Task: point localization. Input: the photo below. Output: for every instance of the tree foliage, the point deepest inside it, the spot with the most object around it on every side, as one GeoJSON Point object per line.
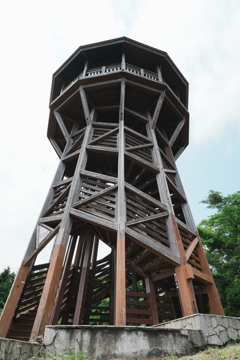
{"type": "Point", "coordinates": [6, 280]}
{"type": "Point", "coordinates": [220, 235]}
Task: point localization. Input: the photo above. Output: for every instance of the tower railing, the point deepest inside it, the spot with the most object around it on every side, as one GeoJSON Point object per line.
{"type": "Point", "coordinates": [113, 68]}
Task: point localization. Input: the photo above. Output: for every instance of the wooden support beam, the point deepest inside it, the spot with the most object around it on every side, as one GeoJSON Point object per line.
{"type": "Point", "coordinates": [154, 246]}
{"type": "Point", "coordinates": [46, 304]}
{"type": "Point", "coordinates": [136, 115]}
{"type": "Point", "coordinates": [191, 247]}
{"type": "Point", "coordinates": [158, 109]}
{"type": "Point", "coordinates": [81, 297]}
{"type": "Point", "coordinates": [184, 276]}
{"type": "Point", "coordinates": [56, 147]}
{"type": "Point", "coordinates": [63, 282]}
{"type": "Point", "coordinates": [62, 125]}
{"type": "Point", "coordinates": [199, 275]}
{"type": "Point", "coordinates": [42, 245]}
{"type": "Point", "coordinates": [120, 281]}
{"type": "Point", "coordinates": [142, 162]}
{"type": "Point", "coordinates": [85, 104]}
{"type": "Point", "coordinates": [136, 268]}
{"type": "Point", "coordinates": [163, 275]}
{"type": "Point", "coordinates": [150, 289]}
{"type": "Point", "coordinates": [176, 132]}
{"type": "Point", "coordinates": [214, 300]}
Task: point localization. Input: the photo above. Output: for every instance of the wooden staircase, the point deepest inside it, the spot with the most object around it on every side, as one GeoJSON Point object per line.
{"type": "Point", "coordinates": [23, 320]}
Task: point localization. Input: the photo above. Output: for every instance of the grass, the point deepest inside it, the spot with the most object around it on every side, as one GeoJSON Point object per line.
{"type": "Point", "coordinates": [230, 352]}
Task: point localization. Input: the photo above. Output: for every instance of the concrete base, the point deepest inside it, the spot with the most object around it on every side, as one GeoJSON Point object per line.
{"type": "Point", "coordinates": [217, 329]}
{"type": "Point", "coordinates": [18, 350]}
{"type": "Point", "coordinates": [108, 342]}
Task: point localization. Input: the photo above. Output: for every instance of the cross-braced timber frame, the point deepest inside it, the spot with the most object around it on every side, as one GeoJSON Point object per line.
{"type": "Point", "coordinates": [118, 122]}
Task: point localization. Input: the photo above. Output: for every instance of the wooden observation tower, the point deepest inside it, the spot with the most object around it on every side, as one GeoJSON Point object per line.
{"type": "Point", "coordinates": [118, 122]}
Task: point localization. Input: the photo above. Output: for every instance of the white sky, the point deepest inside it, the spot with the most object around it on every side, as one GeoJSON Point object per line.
{"type": "Point", "coordinates": [201, 36]}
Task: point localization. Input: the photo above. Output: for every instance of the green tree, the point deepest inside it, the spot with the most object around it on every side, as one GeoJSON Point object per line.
{"type": "Point", "coordinates": [220, 235]}
{"type": "Point", "coordinates": [6, 280]}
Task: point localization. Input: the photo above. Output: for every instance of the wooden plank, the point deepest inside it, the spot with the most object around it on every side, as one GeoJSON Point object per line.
{"type": "Point", "coordinates": [199, 275]}
{"type": "Point", "coordinates": [154, 246]}
{"type": "Point", "coordinates": [138, 147]}
{"type": "Point", "coordinates": [98, 176]}
{"type": "Point", "coordinates": [138, 135]}
{"type": "Point", "coordinates": [95, 196]}
{"type": "Point", "coordinates": [177, 192]}
{"type": "Point", "coordinates": [136, 115]}
{"type": "Point", "coordinates": [185, 227]}
{"type": "Point", "coordinates": [191, 247]}
{"type": "Point", "coordinates": [49, 219]}
{"type": "Point", "coordinates": [163, 275]}
{"type": "Point", "coordinates": [146, 219]}
{"type": "Point", "coordinates": [57, 200]}
{"type": "Point", "coordinates": [142, 162]}
{"type": "Point", "coordinates": [158, 109]}
{"type": "Point", "coordinates": [140, 193]}
{"type": "Point", "coordinates": [62, 182]}
{"type": "Point", "coordinates": [103, 149]}
{"type": "Point", "coordinates": [107, 134]}
{"type": "Point", "coordinates": [96, 220]}
{"type": "Point", "coordinates": [139, 303]}
{"type": "Point", "coordinates": [138, 311]}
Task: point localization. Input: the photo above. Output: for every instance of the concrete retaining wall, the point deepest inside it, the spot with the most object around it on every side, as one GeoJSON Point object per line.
{"type": "Point", "coordinates": [218, 329]}
{"type": "Point", "coordinates": [18, 350]}
{"type": "Point", "coordinates": [108, 342]}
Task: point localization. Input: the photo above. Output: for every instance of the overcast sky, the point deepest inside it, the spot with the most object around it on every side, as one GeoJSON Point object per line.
{"type": "Point", "coordinates": [201, 36]}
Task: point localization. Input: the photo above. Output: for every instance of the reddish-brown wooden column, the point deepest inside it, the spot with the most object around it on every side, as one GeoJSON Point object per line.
{"type": "Point", "coordinates": [120, 283]}
{"type": "Point", "coordinates": [78, 315]}
{"type": "Point", "coordinates": [188, 302]}
{"type": "Point", "coordinates": [46, 305]}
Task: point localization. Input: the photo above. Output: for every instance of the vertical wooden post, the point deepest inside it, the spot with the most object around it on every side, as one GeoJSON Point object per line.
{"type": "Point", "coordinates": [214, 300]}
{"type": "Point", "coordinates": [78, 315]}
{"type": "Point", "coordinates": [91, 280]}
{"type": "Point", "coordinates": [150, 289]}
{"type": "Point", "coordinates": [184, 278]}
{"type": "Point", "coordinates": [64, 279]}
{"type": "Point", "coordinates": [120, 282]}
{"type": "Point", "coordinates": [112, 287]}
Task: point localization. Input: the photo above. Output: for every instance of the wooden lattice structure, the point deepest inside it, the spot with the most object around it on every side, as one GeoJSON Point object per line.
{"type": "Point", "coordinates": [118, 122]}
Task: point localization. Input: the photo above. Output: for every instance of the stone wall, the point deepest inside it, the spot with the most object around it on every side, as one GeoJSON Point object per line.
{"type": "Point", "coordinates": [18, 350]}
{"type": "Point", "coordinates": [108, 342]}
{"type": "Point", "coordinates": [218, 329]}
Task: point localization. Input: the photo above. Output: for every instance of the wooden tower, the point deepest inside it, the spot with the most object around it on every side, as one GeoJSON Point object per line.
{"type": "Point", "coordinates": [118, 122]}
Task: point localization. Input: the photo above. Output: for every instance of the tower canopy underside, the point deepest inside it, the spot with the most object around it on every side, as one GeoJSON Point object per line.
{"type": "Point", "coordinates": [118, 122]}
